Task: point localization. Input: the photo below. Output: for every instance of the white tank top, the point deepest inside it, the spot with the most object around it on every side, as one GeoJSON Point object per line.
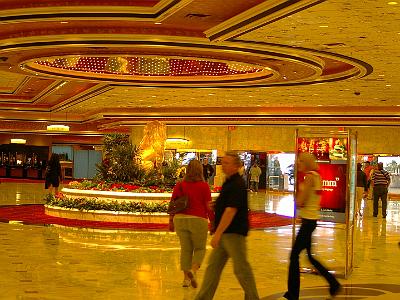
{"type": "Point", "coordinates": [311, 208]}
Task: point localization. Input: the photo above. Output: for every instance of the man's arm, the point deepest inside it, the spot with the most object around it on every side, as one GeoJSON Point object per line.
{"type": "Point", "coordinates": [226, 220]}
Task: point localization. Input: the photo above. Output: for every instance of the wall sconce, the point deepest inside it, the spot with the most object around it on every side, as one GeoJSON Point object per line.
{"type": "Point", "coordinates": [18, 141]}
{"type": "Point", "coordinates": [57, 128]}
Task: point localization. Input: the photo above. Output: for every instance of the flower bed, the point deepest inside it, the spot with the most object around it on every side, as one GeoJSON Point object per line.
{"type": "Point", "coordinates": [110, 206]}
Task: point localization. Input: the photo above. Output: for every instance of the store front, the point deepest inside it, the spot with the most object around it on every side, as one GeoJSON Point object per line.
{"type": "Point", "coordinates": [280, 175]}
{"type": "Point", "coordinates": [391, 163]}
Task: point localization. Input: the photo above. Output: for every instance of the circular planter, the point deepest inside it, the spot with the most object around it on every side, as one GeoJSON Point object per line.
{"type": "Point", "coordinates": [106, 216]}
{"type": "Point", "coordinates": [112, 216]}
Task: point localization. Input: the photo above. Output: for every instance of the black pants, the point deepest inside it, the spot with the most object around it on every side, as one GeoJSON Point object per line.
{"type": "Point", "coordinates": [380, 191]}
{"type": "Point", "coordinates": [303, 241]}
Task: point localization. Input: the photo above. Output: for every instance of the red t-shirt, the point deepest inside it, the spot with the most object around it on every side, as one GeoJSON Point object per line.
{"type": "Point", "coordinates": [199, 198]}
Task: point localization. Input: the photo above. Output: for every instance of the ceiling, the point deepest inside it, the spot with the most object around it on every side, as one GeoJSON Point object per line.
{"type": "Point", "coordinates": [105, 65]}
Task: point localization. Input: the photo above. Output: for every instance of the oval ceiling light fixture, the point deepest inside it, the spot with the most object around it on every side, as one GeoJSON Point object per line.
{"type": "Point", "coordinates": [148, 69]}
{"type": "Point", "coordinates": [57, 128]}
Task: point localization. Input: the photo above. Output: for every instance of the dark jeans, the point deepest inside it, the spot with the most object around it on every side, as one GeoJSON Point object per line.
{"type": "Point", "coordinates": [303, 241]}
{"type": "Point", "coordinates": [380, 191]}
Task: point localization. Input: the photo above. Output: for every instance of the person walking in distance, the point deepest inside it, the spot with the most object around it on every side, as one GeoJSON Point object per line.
{"type": "Point", "coordinates": [208, 171]}
{"type": "Point", "coordinates": [191, 224]}
{"type": "Point", "coordinates": [381, 180]}
{"type": "Point", "coordinates": [231, 229]}
{"type": "Point", "coordinates": [367, 170]}
{"type": "Point", "coordinates": [361, 189]}
{"type": "Point", "coordinates": [307, 201]}
{"type": "Point", "coordinates": [53, 174]}
{"type": "Point", "coordinates": [255, 173]}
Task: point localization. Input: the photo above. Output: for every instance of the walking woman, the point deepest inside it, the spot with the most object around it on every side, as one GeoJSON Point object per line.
{"type": "Point", "coordinates": [53, 174]}
{"type": "Point", "coordinates": [307, 201]}
{"type": "Point", "coordinates": [191, 224]}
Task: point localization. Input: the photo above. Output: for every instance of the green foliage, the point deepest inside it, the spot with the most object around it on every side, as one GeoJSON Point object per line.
{"type": "Point", "coordinates": [86, 204]}
{"type": "Point", "coordinates": [122, 161]}
{"type": "Point", "coordinates": [123, 164]}
{"type": "Point", "coordinates": [171, 171]}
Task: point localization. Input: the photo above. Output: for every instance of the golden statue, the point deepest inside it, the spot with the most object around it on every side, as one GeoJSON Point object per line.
{"type": "Point", "coordinates": [153, 144]}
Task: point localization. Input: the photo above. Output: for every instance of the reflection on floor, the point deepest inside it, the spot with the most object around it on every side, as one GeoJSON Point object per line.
{"type": "Point", "coordinates": [68, 263]}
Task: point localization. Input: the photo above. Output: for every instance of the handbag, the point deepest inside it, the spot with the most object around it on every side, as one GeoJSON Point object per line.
{"type": "Point", "coordinates": [178, 204]}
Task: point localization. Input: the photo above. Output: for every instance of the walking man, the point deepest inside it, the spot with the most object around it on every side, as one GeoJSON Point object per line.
{"type": "Point", "coordinates": [381, 180]}
{"type": "Point", "coordinates": [229, 240]}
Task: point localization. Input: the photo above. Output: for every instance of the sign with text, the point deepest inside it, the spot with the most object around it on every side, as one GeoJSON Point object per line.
{"type": "Point", "coordinates": [333, 194]}
{"type": "Point", "coordinates": [333, 197]}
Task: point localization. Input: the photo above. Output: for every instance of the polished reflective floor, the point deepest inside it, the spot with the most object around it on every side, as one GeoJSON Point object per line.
{"type": "Point", "coordinates": [69, 263]}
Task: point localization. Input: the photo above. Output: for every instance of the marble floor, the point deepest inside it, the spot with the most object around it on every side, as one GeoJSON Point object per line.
{"type": "Point", "coordinates": [67, 263]}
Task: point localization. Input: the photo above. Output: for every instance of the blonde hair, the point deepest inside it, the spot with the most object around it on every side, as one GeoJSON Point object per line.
{"type": "Point", "coordinates": [194, 171]}
{"type": "Point", "coordinates": [309, 161]}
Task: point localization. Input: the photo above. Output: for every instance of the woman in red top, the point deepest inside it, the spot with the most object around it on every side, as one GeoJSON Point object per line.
{"type": "Point", "coordinates": [191, 225]}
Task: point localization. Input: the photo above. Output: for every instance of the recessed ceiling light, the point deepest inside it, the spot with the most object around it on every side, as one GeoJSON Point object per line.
{"type": "Point", "coordinates": [250, 96]}
{"type": "Point", "coordinates": [153, 96]}
{"type": "Point", "coordinates": [398, 105]}
{"type": "Point", "coordinates": [392, 3]}
{"type": "Point", "coordinates": [157, 23]}
{"type": "Point", "coordinates": [211, 94]}
{"type": "Point", "coordinates": [64, 22]}
{"type": "Point", "coordinates": [230, 100]}
{"type": "Point", "coordinates": [323, 26]}
{"type": "Point", "coordinates": [381, 75]}
{"type": "Point", "coordinates": [388, 85]}
{"type": "Point", "coordinates": [319, 105]}
{"type": "Point", "coordinates": [148, 105]}
{"type": "Point", "coordinates": [258, 105]}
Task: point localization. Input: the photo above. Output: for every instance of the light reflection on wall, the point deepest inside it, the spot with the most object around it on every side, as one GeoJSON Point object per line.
{"type": "Point", "coordinates": [278, 204]}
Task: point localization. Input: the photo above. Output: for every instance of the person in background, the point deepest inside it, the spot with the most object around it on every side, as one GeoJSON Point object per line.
{"type": "Point", "coordinates": [307, 201]}
{"type": "Point", "coordinates": [53, 175]}
{"type": "Point", "coordinates": [381, 180]}
{"type": "Point", "coordinates": [229, 240]}
{"type": "Point", "coordinates": [367, 170]}
{"type": "Point", "coordinates": [255, 173]}
{"type": "Point", "coordinates": [208, 171]}
{"type": "Point", "coordinates": [361, 189]}
{"type": "Point", "coordinates": [191, 224]}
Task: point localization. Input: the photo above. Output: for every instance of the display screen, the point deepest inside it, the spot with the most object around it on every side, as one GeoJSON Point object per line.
{"type": "Point", "coordinates": [332, 154]}
{"type": "Point", "coordinates": [333, 197]}
{"type": "Point", "coordinates": [323, 147]}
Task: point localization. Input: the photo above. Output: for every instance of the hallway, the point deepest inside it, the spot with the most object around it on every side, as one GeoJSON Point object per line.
{"type": "Point", "coordinates": [69, 263]}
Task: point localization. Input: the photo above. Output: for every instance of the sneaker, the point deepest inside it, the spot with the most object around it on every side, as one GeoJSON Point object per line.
{"type": "Point", "coordinates": [186, 283]}
{"type": "Point", "coordinates": [192, 279]}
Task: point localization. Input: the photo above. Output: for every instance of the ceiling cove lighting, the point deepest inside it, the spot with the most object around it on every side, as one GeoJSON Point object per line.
{"type": "Point", "coordinates": [57, 128]}
{"type": "Point", "coordinates": [18, 141]}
